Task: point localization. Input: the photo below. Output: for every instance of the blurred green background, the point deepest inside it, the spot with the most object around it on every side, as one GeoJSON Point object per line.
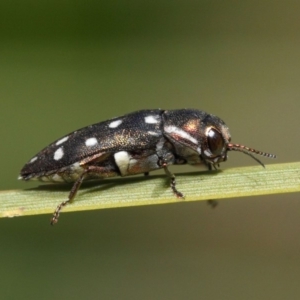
{"type": "Point", "coordinates": [67, 64]}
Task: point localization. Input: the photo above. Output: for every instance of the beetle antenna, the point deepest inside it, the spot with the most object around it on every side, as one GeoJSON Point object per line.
{"type": "Point", "coordinates": [249, 151]}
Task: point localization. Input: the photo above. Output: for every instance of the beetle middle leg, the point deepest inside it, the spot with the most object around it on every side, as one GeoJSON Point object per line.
{"type": "Point", "coordinates": [164, 165]}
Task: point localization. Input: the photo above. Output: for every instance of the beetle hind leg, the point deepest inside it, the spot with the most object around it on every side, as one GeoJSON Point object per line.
{"type": "Point", "coordinates": [71, 197]}
{"type": "Point", "coordinates": [91, 172]}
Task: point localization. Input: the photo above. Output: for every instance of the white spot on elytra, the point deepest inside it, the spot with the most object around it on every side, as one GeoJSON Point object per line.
{"type": "Point", "coordinates": [122, 160]}
{"type": "Point", "coordinates": [115, 124]}
{"type": "Point", "coordinates": [183, 134]}
{"type": "Point", "coordinates": [33, 159]}
{"type": "Point", "coordinates": [64, 139]}
{"type": "Point", "coordinates": [58, 154]}
{"type": "Point", "coordinates": [152, 119]}
{"type": "Point", "coordinates": [91, 142]}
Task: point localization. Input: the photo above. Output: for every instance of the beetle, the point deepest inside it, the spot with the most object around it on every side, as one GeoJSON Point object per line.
{"type": "Point", "coordinates": [135, 143]}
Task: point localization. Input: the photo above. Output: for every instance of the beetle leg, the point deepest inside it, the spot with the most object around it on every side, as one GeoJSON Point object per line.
{"type": "Point", "coordinates": [74, 190]}
{"type": "Point", "coordinates": [71, 197]}
{"type": "Point", "coordinates": [164, 165]}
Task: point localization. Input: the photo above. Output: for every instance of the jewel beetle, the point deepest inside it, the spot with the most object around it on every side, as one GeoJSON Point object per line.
{"type": "Point", "coordinates": [135, 143]}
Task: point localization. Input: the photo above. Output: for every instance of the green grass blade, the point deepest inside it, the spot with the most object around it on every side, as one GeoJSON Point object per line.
{"type": "Point", "coordinates": [238, 182]}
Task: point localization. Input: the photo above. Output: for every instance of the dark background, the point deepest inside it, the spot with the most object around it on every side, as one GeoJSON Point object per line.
{"type": "Point", "coordinates": [67, 64]}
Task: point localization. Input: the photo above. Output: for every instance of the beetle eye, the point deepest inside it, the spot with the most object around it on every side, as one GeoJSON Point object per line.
{"type": "Point", "coordinates": [215, 142]}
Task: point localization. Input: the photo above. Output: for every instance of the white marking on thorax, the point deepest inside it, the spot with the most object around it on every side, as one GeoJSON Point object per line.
{"type": "Point", "coordinates": [33, 159]}
{"type": "Point", "coordinates": [58, 154]}
{"type": "Point", "coordinates": [115, 124]}
{"type": "Point", "coordinates": [173, 129]}
{"type": "Point", "coordinates": [64, 139]}
{"type": "Point", "coordinates": [91, 142]}
{"type": "Point", "coordinates": [152, 119]}
{"type": "Point", "coordinates": [122, 160]}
